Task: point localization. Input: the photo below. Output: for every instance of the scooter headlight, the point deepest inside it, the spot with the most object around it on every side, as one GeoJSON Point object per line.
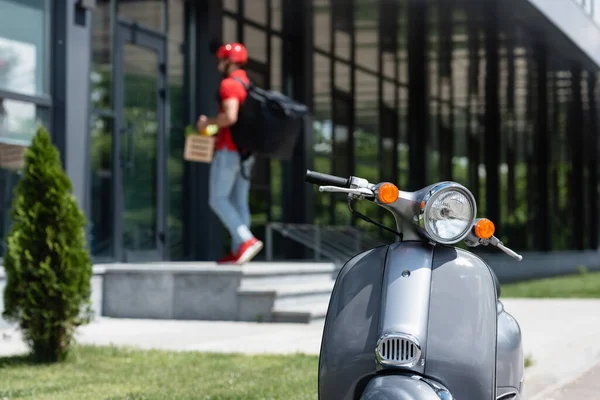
{"type": "Point", "coordinates": [447, 213]}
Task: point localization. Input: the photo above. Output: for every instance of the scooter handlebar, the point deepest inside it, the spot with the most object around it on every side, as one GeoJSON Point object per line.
{"type": "Point", "coordinates": [319, 178]}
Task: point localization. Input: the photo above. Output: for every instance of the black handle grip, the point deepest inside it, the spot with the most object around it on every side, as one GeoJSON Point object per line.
{"type": "Point", "coordinates": [319, 178]}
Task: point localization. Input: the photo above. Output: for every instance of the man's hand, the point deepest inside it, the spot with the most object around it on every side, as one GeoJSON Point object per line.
{"type": "Point", "coordinates": [202, 123]}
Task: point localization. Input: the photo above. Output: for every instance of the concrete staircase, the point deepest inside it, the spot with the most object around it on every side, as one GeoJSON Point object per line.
{"type": "Point", "coordinates": [286, 292]}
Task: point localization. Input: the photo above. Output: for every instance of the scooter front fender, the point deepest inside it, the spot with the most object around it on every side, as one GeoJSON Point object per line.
{"type": "Point", "coordinates": [401, 387]}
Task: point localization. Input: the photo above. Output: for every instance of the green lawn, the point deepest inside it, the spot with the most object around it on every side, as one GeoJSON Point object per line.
{"type": "Point", "coordinates": [583, 285]}
{"type": "Point", "coordinates": [111, 373]}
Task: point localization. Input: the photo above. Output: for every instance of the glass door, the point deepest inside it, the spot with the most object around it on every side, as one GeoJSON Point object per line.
{"type": "Point", "coordinates": [140, 143]}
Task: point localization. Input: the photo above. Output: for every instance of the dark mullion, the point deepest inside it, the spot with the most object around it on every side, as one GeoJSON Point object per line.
{"type": "Point", "coordinates": [245, 21]}
{"type": "Point", "coordinates": [542, 153]}
{"type": "Point", "coordinates": [360, 68]}
{"type": "Point", "coordinates": [332, 61]}
{"type": "Point", "coordinates": [380, 162]}
{"type": "Point", "coordinates": [473, 115]}
{"type": "Point", "coordinates": [396, 138]}
{"type": "Point", "coordinates": [417, 93]}
{"type": "Point", "coordinates": [492, 140]}
{"type": "Point", "coordinates": [41, 101]}
{"type": "Point", "coordinates": [593, 164]}
{"type": "Point", "coordinates": [240, 20]}
{"type": "Point", "coordinates": [268, 82]}
{"type": "Point", "coordinates": [577, 161]}
{"type": "Point", "coordinates": [511, 194]}
{"type": "Point", "coordinates": [352, 123]}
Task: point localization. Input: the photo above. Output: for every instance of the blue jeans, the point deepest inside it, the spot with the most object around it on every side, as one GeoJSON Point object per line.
{"type": "Point", "coordinates": [228, 194]}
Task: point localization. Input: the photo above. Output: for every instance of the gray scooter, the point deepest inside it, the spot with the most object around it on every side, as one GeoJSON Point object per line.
{"type": "Point", "coordinates": [419, 319]}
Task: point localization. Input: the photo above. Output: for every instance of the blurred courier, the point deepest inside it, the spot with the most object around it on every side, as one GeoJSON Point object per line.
{"type": "Point", "coordinates": [229, 181]}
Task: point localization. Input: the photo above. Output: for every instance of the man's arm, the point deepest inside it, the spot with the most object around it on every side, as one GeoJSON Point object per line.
{"type": "Point", "coordinates": [229, 115]}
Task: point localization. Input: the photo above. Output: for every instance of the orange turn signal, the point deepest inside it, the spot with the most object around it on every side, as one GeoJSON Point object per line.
{"type": "Point", "coordinates": [388, 193]}
{"type": "Point", "coordinates": [484, 229]}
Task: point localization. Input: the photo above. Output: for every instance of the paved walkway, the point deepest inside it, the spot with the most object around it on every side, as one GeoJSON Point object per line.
{"type": "Point", "coordinates": [586, 387]}
{"type": "Point", "coordinates": [561, 336]}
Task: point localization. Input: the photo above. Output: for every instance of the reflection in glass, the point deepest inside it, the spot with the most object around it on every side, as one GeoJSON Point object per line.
{"type": "Point", "coordinates": [275, 61]}
{"type": "Point", "coordinates": [149, 13]}
{"type": "Point", "coordinates": [256, 10]}
{"type": "Point", "coordinates": [322, 24]}
{"type": "Point", "coordinates": [255, 41]}
{"type": "Point", "coordinates": [367, 41]}
{"type": "Point", "coordinates": [276, 15]}
{"type": "Point", "coordinates": [176, 137]}
{"type": "Point", "coordinates": [100, 225]}
{"type": "Point", "coordinates": [18, 123]}
{"type": "Point", "coordinates": [230, 5]}
{"type": "Point", "coordinates": [23, 52]}
{"type": "Point", "coordinates": [19, 120]}
{"type": "Point", "coordinates": [139, 149]}
{"type": "Point", "coordinates": [230, 30]}
{"type": "Point", "coordinates": [322, 131]}
{"type": "Point", "coordinates": [342, 76]}
{"type": "Point", "coordinates": [101, 73]}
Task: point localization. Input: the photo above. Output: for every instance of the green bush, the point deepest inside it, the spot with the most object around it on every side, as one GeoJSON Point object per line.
{"type": "Point", "coordinates": [48, 267]}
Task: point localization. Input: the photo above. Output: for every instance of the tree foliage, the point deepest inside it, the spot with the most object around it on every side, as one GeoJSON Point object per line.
{"type": "Point", "coordinates": [48, 267]}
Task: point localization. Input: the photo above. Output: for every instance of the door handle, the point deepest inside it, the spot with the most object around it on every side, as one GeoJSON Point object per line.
{"type": "Point", "coordinates": [130, 163]}
{"type": "Point", "coordinates": [127, 161]}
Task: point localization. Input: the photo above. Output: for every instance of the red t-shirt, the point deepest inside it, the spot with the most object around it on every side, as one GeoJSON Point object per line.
{"type": "Point", "coordinates": [231, 89]}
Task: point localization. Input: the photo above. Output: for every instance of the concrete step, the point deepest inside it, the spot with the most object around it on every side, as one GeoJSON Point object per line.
{"type": "Point", "coordinates": [269, 287]}
{"type": "Point", "coordinates": [302, 313]}
{"type": "Point", "coordinates": [285, 289]}
{"type": "Point", "coordinates": [289, 294]}
{"type": "Point", "coordinates": [277, 274]}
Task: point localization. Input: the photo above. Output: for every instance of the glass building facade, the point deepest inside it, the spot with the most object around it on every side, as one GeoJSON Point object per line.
{"type": "Point", "coordinates": [500, 96]}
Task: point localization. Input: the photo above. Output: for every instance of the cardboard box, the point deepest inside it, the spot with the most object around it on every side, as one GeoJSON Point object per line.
{"type": "Point", "coordinates": [199, 148]}
{"type": "Point", "coordinates": [12, 156]}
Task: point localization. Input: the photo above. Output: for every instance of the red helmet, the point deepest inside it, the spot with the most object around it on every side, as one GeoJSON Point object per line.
{"type": "Point", "coordinates": [234, 52]}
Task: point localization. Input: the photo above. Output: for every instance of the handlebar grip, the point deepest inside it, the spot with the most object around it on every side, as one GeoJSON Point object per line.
{"type": "Point", "coordinates": [319, 178]}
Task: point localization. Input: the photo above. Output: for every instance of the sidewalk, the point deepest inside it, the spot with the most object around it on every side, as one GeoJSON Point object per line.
{"type": "Point", "coordinates": [586, 387]}
{"type": "Point", "coordinates": [559, 335]}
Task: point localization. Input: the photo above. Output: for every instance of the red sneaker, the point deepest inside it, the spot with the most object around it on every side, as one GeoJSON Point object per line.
{"type": "Point", "coordinates": [228, 259]}
{"type": "Point", "coordinates": [248, 250]}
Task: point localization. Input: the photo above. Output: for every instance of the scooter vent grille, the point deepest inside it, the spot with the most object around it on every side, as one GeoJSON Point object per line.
{"type": "Point", "coordinates": [398, 350]}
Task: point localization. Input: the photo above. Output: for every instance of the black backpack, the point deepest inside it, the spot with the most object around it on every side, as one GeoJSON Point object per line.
{"type": "Point", "coordinates": [268, 124]}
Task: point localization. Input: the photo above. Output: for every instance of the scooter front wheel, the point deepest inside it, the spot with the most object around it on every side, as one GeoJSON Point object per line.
{"type": "Point", "coordinates": [401, 387]}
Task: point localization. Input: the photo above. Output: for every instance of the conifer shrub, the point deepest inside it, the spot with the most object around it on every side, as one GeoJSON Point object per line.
{"type": "Point", "coordinates": [47, 263]}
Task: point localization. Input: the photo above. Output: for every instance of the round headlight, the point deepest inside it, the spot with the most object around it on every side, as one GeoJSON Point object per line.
{"type": "Point", "coordinates": [447, 213]}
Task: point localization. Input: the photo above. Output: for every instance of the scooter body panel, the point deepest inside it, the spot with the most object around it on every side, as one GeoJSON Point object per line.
{"type": "Point", "coordinates": [444, 298]}
{"type": "Point", "coordinates": [347, 361]}
{"type": "Point", "coordinates": [406, 292]}
{"type": "Point", "coordinates": [510, 364]}
{"type": "Point", "coordinates": [462, 331]}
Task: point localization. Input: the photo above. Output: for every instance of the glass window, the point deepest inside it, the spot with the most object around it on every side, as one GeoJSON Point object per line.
{"type": "Point", "coordinates": [101, 73]}
{"type": "Point", "coordinates": [230, 5]}
{"type": "Point", "coordinates": [19, 120]}
{"type": "Point", "coordinates": [276, 15]}
{"type": "Point", "coordinates": [255, 41]}
{"type": "Point", "coordinates": [18, 123]}
{"type": "Point", "coordinates": [24, 51]}
{"type": "Point", "coordinates": [176, 137]}
{"type": "Point", "coordinates": [366, 31]}
{"type": "Point", "coordinates": [256, 10]}
{"type": "Point", "coordinates": [230, 30]}
{"type": "Point", "coordinates": [322, 24]}
{"type": "Point", "coordinates": [149, 13]}
{"type": "Point", "coordinates": [101, 216]}
{"type": "Point", "coordinates": [275, 61]}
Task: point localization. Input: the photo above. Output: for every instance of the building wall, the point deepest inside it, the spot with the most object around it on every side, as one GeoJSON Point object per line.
{"type": "Point", "coordinates": [25, 85]}
{"type": "Point", "coordinates": [408, 91]}
{"type": "Point", "coordinates": [417, 92]}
